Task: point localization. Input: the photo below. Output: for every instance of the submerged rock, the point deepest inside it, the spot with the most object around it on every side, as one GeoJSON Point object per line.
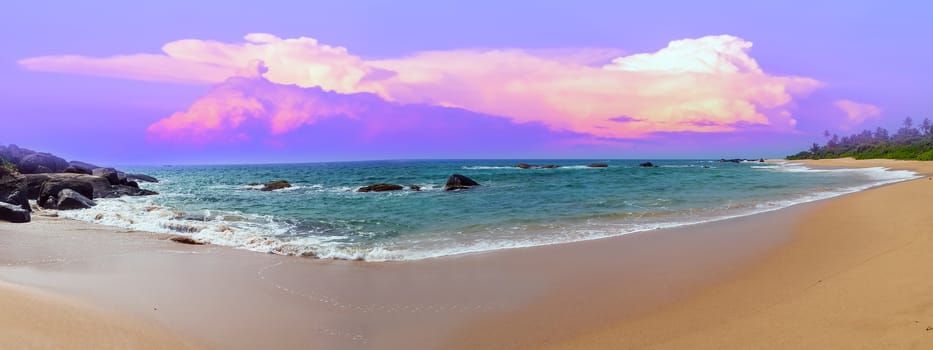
{"type": "Point", "coordinates": [535, 166]}
{"type": "Point", "coordinates": [598, 165]}
{"type": "Point", "coordinates": [457, 182]}
{"type": "Point", "coordinates": [186, 240]}
{"type": "Point", "coordinates": [141, 177]}
{"type": "Point", "coordinates": [414, 187]}
{"type": "Point", "coordinates": [275, 185]}
{"type": "Point", "coordinates": [380, 188]}
{"type": "Point", "coordinates": [647, 165]}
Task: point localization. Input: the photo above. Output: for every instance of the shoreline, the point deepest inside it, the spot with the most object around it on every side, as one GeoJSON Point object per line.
{"type": "Point", "coordinates": [583, 294]}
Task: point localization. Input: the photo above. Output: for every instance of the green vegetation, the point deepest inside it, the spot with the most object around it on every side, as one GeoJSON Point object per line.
{"type": "Point", "coordinates": [909, 143]}
{"type": "Point", "coordinates": [9, 166]}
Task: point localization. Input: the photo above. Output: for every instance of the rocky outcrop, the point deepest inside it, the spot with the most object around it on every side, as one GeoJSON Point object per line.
{"type": "Point", "coordinates": [101, 186]}
{"type": "Point", "coordinates": [112, 175]}
{"type": "Point", "coordinates": [275, 185]}
{"type": "Point", "coordinates": [68, 199]}
{"type": "Point", "coordinates": [459, 182]}
{"type": "Point", "coordinates": [41, 163]}
{"type": "Point", "coordinates": [75, 170]}
{"type": "Point", "coordinates": [414, 187]}
{"type": "Point", "coordinates": [380, 188]}
{"type": "Point", "coordinates": [647, 165]}
{"type": "Point", "coordinates": [86, 168]}
{"type": "Point", "coordinates": [13, 213]}
{"type": "Point", "coordinates": [598, 165]}
{"type": "Point", "coordinates": [13, 188]}
{"type": "Point", "coordinates": [50, 191]}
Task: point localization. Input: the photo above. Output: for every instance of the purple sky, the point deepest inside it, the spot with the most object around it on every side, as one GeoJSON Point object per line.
{"type": "Point", "coordinates": [505, 80]}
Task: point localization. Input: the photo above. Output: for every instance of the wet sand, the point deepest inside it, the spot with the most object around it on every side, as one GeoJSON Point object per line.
{"type": "Point", "coordinates": [846, 271]}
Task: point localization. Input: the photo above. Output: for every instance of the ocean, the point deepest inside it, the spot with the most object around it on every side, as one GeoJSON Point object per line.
{"type": "Point", "coordinates": [323, 216]}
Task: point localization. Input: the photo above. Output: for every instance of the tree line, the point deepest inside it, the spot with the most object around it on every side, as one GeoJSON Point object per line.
{"type": "Point", "coordinates": [910, 142]}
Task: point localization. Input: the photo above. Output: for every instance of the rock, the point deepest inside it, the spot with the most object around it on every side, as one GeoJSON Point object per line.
{"type": "Point", "coordinates": [34, 183]}
{"type": "Point", "coordinates": [75, 170]}
{"type": "Point", "coordinates": [380, 188]}
{"type": "Point", "coordinates": [761, 160]}
{"type": "Point", "coordinates": [69, 200]}
{"type": "Point", "coordinates": [112, 175]}
{"type": "Point", "coordinates": [535, 166]}
{"type": "Point", "coordinates": [414, 187]}
{"type": "Point", "coordinates": [730, 160]}
{"type": "Point", "coordinates": [14, 154]}
{"type": "Point", "coordinates": [253, 184]}
{"type": "Point", "coordinates": [86, 168]}
{"type": "Point", "coordinates": [50, 191]}
{"type": "Point", "coordinates": [598, 165]}
{"type": "Point", "coordinates": [185, 240]}
{"type": "Point", "coordinates": [275, 185]}
{"type": "Point", "coordinates": [42, 169]}
{"type": "Point", "coordinates": [13, 188]}
{"type": "Point", "coordinates": [132, 184]}
{"type": "Point", "coordinates": [141, 177]}
{"type": "Point", "coordinates": [13, 213]}
{"type": "Point", "coordinates": [457, 182]}
{"type": "Point", "coordinates": [124, 190]}
{"type": "Point", "coordinates": [49, 164]}
{"type": "Point", "coordinates": [647, 165]}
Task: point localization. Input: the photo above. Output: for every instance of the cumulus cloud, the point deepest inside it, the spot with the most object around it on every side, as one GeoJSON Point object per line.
{"type": "Point", "coordinates": [709, 84]}
{"type": "Point", "coordinates": [857, 113]}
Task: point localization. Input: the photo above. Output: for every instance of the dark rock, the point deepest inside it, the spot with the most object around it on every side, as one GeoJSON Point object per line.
{"type": "Point", "coordinates": [380, 188]}
{"type": "Point", "coordinates": [598, 165]}
{"type": "Point", "coordinates": [14, 154]}
{"type": "Point", "coordinates": [185, 240]}
{"type": "Point", "coordinates": [457, 182]}
{"type": "Point", "coordinates": [112, 175]}
{"type": "Point", "coordinates": [647, 165]}
{"type": "Point", "coordinates": [535, 166]}
{"type": "Point", "coordinates": [414, 187]}
{"type": "Point", "coordinates": [117, 191]}
{"type": "Point", "coordinates": [761, 160]}
{"type": "Point", "coordinates": [69, 200]}
{"type": "Point", "coordinates": [75, 170]}
{"type": "Point", "coordinates": [730, 160]}
{"type": "Point", "coordinates": [41, 162]}
{"type": "Point", "coordinates": [253, 184]}
{"type": "Point", "coordinates": [86, 168]}
{"type": "Point", "coordinates": [141, 177]}
{"type": "Point", "coordinates": [13, 188]}
{"type": "Point", "coordinates": [42, 169]}
{"type": "Point", "coordinates": [132, 184]}
{"type": "Point", "coordinates": [34, 182]}
{"type": "Point", "coordinates": [13, 213]}
{"type": "Point", "coordinates": [275, 185]}
{"type": "Point", "coordinates": [51, 190]}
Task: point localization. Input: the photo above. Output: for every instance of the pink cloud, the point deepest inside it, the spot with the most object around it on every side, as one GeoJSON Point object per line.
{"type": "Point", "coordinates": [857, 113]}
{"type": "Point", "coordinates": [709, 84]}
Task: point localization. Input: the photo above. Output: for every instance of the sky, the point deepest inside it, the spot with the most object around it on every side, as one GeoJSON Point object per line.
{"type": "Point", "coordinates": [286, 81]}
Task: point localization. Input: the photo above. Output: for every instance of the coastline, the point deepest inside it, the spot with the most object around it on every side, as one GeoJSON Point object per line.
{"type": "Point", "coordinates": [688, 286]}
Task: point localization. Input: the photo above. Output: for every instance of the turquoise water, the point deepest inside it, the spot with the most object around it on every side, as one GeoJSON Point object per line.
{"type": "Point", "coordinates": [323, 216]}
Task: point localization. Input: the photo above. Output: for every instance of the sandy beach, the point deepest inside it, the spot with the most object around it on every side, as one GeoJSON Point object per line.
{"type": "Point", "coordinates": [849, 272]}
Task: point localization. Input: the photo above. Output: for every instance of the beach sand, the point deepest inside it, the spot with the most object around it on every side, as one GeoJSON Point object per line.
{"type": "Point", "coordinates": [850, 272]}
{"type": "Point", "coordinates": [33, 319]}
